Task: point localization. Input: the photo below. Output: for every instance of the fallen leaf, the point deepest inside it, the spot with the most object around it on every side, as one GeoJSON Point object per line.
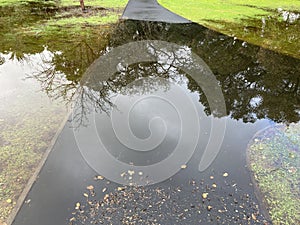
{"type": "Point", "coordinates": [214, 185]}
{"type": "Point", "coordinates": [183, 166]}
{"type": "Point", "coordinates": [123, 174]}
{"type": "Point", "coordinates": [99, 178]}
{"type": "Point", "coordinates": [77, 206]}
{"type": "Point", "coordinates": [130, 172]}
{"type": "Point", "coordinates": [225, 174]}
{"type": "Point", "coordinates": [106, 197]}
{"type": "Point", "coordinates": [121, 188]}
{"type": "Point", "coordinates": [90, 187]}
{"type": "Point", "coordinates": [204, 195]}
{"type": "Point", "coordinates": [9, 201]}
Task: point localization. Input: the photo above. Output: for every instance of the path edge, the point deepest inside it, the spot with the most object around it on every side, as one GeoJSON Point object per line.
{"type": "Point", "coordinates": [34, 177]}
{"type": "Point", "coordinates": [257, 191]}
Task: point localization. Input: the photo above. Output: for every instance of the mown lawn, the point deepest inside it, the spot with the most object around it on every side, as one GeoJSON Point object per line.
{"type": "Point", "coordinates": [265, 23]}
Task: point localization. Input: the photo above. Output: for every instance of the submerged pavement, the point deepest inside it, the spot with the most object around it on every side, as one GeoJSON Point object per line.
{"type": "Point", "coordinates": [69, 191]}
{"type": "Point", "coordinates": [150, 10]}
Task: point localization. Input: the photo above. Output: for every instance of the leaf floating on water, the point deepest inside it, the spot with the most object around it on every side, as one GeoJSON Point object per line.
{"type": "Point", "coordinates": [90, 187]}
{"type": "Point", "coordinates": [130, 172]}
{"type": "Point", "coordinates": [123, 174]}
{"type": "Point", "coordinates": [225, 174]}
{"type": "Point", "coordinates": [77, 206]}
{"type": "Point", "coordinates": [204, 195]}
{"type": "Point", "coordinates": [106, 197]}
{"type": "Point", "coordinates": [85, 195]}
{"type": "Point", "coordinates": [99, 177]}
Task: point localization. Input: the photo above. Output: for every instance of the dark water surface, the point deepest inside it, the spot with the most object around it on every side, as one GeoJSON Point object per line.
{"type": "Point", "coordinates": [260, 88]}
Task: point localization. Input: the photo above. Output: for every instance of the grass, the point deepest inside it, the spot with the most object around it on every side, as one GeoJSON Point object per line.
{"type": "Point", "coordinates": [24, 137]}
{"type": "Point", "coordinates": [102, 3]}
{"type": "Point", "coordinates": [229, 11]}
{"type": "Point", "coordinates": [114, 11]}
{"type": "Point", "coordinates": [9, 2]}
{"type": "Point", "coordinates": [92, 20]}
{"type": "Point", "coordinates": [274, 158]}
{"type": "Point", "coordinates": [68, 13]}
{"type": "Point", "coordinates": [243, 19]}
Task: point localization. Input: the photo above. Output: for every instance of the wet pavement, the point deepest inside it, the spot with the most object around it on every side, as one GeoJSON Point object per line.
{"type": "Point", "coordinates": [66, 180]}
{"type": "Point", "coordinates": [69, 191]}
{"type": "Point", "coordinates": [260, 89]}
{"type": "Point", "coordinates": [150, 10]}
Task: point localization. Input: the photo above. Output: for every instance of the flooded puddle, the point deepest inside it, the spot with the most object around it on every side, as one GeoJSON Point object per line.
{"type": "Point", "coordinates": [177, 113]}
{"type": "Point", "coordinates": [34, 71]}
{"type": "Point", "coordinates": [260, 89]}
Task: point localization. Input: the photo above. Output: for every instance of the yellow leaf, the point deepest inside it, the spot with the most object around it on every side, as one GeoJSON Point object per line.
{"type": "Point", "coordinates": [91, 187]}
{"type": "Point", "coordinates": [77, 206]}
{"type": "Point", "coordinates": [225, 174]}
{"type": "Point", "coordinates": [204, 195]}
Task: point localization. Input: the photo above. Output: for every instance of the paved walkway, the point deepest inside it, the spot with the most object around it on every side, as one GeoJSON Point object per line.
{"type": "Point", "coordinates": [150, 10]}
{"type": "Point", "coordinates": [62, 191]}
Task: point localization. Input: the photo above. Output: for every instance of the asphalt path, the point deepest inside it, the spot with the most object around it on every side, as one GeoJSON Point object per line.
{"type": "Point", "coordinates": [150, 10]}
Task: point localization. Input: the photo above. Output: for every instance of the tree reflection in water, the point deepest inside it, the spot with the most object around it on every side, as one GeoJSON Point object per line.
{"type": "Point", "coordinates": [256, 83]}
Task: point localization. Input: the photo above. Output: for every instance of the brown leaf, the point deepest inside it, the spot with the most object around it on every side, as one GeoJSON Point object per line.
{"type": "Point", "coordinates": [90, 187]}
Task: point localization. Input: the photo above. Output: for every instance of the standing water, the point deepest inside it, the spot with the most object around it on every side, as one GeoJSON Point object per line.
{"type": "Point", "coordinates": [137, 113]}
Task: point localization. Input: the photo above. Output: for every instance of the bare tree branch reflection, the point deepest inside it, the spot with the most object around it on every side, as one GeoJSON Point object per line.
{"type": "Point", "coordinates": [256, 83]}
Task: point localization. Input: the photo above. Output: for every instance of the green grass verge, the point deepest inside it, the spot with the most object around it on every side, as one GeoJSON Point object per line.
{"type": "Point", "coordinates": [62, 16]}
{"type": "Point", "coordinates": [24, 138]}
{"type": "Point", "coordinates": [244, 19]}
{"type": "Point", "coordinates": [274, 158]}
{"type": "Point", "coordinates": [229, 11]}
